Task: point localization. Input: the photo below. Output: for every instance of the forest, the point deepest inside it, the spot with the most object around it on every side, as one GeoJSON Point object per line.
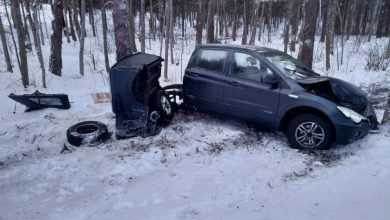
{"type": "Point", "coordinates": [24, 29]}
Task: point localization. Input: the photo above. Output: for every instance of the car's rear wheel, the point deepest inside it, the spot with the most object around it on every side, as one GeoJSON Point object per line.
{"type": "Point", "coordinates": [310, 132]}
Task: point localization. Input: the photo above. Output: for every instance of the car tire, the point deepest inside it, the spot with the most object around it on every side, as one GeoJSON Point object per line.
{"type": "Point", "coordinates": [310, 132]}
{"type": "Point", "coordinates": [164, 106]}
{"type": "Point", "coordinates": [88, 133]}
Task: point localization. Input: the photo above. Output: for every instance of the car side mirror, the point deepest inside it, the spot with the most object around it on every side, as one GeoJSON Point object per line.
{"type": "Point", "coordinates": [269, 79]}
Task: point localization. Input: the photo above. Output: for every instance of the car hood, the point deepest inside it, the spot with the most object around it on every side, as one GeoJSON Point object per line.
{"type": "Point", "coordinates": [342, 93]}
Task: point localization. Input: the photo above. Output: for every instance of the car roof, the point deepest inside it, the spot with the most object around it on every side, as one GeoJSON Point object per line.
{"type": "Point", "coordinates": [240, 47]}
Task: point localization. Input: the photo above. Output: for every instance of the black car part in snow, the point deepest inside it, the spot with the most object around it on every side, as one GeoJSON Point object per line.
{"type": "Point", "coordinates": [139, 102]}
{"type": "Point", "coordinates": [37, 100]}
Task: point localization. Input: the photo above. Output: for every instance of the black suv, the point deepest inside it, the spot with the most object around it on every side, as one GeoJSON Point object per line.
{"type": "Point", "coordinates": [275, 90]}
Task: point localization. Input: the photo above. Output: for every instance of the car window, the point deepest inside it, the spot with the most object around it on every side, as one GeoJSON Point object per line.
{"type": "Point", "coordinates": [246, 66]}
{"type": "Point", "coordinates": [212, 60]}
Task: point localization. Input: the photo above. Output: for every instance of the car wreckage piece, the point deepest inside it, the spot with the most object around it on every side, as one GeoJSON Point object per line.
{"type": "Point", "coordinates": [139, 102]}
{"type": "Point", "coordinates": [38, 100]}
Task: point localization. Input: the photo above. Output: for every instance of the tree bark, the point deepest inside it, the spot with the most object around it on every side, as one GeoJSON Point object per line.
{"type": "Point", "coordinates": [295, 23]}
{"type": "Point", "coordinates": [5, 47]}
{"type": "Point", "coordinates": [21, 41]}
{"type": "Point", "coordinates": [76, 17]}
{"type": "Point", "coordinates": [131, 26]}
{"type": "Point", "coordinates": [234, 28]}
{"type": "Point", "coordinates": [167, 36]}
{"type": "Point", "coordinates": [142, 24]}
{"type": "Point", "coordinates": [12, 33]}
{"type": "Point", "coordinates": [105, 45]}
{"type": "Point", "coordinates": [55, 65]}
{"type": "Point", "coordinates": [210, 22]}
{"type": "Point", "coordinates": [82, 39]}
{"type": "Point", "coordinates": [245, 29]}
{"type": "Point", "coordinates": [121, 29]}
{"type": "Point", "coordinates": [199, 22]}
{"type": "Point", "coordinates": [92, 18]}
{"type": "Point", "coordinates": [37, 42]}
{"type": "Point", "coordinates": [307, 33]}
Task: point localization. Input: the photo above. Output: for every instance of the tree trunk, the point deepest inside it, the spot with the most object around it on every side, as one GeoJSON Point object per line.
{"type": "Point", "coordinates": [55, 64]}
{"type": "Point", "coordinates": [71, 23]}
{"type": "Point", "coordinates": [308, 33]}
{"type": "Point", "coordinates": [37, 42]}
{"type": "Point", "coordinates": [92, 18]}
{"type": "Point", "coordinates": [66, 22]}
{"type": "Point", "coordinates": [255, 23]}
{"type": "Point", "coordinates": [167, 36]}
{"type": "Point", "coordinates": [21, 41]}
{"type": "Point", "coordinates": [105, 45]}
{"type": "Point", "coordinates": [295, 23]}
{"type": "Point", "coordinates": [245, 29]}
{"type": "Point", "coordinates": [12, 33]}
{"type": "Point", "coordinates": [199, 22]}
{"type": "Point", "coordinates": [172, 39]}
{"type": "Point", "coordinates": [234, 29]}
{"type": "Point", "coordinates": [82, 39]}
{"type": "Point", "coordinates": [210, 22]}
{"type": "Point", "coordinates": [142, 23]}
{"type": "Point", "coordinates": [131, 26]}
{"type": "Point", "coordinates": [329, 31]}
{"type": "Point", "coordinates": [121, 29]}
{"type": "Point", "coordinates": [5, 47]}
{"type": "Point", "coordinates": [76, 17]}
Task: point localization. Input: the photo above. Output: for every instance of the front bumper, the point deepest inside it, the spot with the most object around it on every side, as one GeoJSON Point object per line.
{"type": "Point", "coordinates": [347, 131]}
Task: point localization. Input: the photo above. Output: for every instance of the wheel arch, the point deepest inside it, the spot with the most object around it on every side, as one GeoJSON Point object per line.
{"type": "Point", "coordinates": [293, 112]}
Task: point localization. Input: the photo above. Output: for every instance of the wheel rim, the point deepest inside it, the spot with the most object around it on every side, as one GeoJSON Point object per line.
{"type": "Point", "coordinates": [309, 134]}
{"type": "Point", "coordinates": [166, 105]}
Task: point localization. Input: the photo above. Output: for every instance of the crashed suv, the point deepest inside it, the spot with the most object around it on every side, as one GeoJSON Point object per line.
{"type": "Point", "coordinates": [275, 90]}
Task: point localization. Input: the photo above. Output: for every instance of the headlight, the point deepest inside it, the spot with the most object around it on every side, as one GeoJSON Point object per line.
{"type": "Point", "coordinates": [354, 116]}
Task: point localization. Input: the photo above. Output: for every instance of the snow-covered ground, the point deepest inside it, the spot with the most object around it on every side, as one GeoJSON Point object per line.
{"type": "Point", "coordinates": [199, 167]}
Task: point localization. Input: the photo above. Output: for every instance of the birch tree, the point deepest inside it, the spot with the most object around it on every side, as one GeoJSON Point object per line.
{"type": "Point", "coordinates": [5, 47]}
{"type": "Point", "coordinates": [55, 64]}
{"type": "Point", "coordinates": [121, 29]}
{"type": "Point", "coordinates": [82, 38]}
{"type": "Point", "coordinates": [21, 41]}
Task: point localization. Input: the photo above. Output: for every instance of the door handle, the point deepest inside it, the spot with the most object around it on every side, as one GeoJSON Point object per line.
{"type": "Point", "coordinates": [233, 83]}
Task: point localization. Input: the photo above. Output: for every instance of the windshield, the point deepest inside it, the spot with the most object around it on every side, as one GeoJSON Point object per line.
{"type": "Point", "coordinates": [289, 66]}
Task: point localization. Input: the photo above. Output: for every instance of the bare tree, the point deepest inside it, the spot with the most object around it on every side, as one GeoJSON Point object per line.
{"type": "Point", "coordinates": [199, 22]}
{"type": "Point", "coordinates": [234, 28]}
{"type": "Point", "coordinates": [21, 41]}
{"type": "Point", "coordinates": [246, 21]}
{"type": "Point", "coordinates": [5, 47]}
{"type": "Point", "coordinates": [105, 44]}
{"type": "Point", "coordinates": [37, 42]}
{"type": "Point", "coordinates": [122, 38]}
{"type": "Point", "coordinates": [92, 17]}
{"type": "Point", "coordinates": [210, 22]}
{"type": "Point", "coordinates": [142, 24]}
{"type": "Point", "coordinates": [55, 65]}
{"type": "Point", "coordinates": [167, 36]}
{"type": "Point", "coordinates": [82, 38]}
{"type": "Point", "coordinates": [131, 26]}
{"type": "Point", "coordinates": [331, 10]}
{"type": "Point", "coordinates": [308, 32]}
{"type": "Point", "coordinates": [12, 33]}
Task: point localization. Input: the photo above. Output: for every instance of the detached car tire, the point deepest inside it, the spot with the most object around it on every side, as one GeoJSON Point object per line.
{"type": "Point", "coordinates": [87, 133]}
{"type": "Point", "coordinates": [164, 106]}
{"type": "Point", "coordinates": [310, 132]}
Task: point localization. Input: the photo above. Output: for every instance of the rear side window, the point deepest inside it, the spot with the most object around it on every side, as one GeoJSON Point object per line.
{"type": "Point", "coordinates": [212, 60]}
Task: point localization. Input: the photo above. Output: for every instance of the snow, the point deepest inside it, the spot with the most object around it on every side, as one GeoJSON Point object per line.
{"type": "Point", "coordinates": [199, 167]}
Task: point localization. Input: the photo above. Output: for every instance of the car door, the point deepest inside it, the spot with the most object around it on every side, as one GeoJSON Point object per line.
{"type": "Point", "coordinates": [245, 95]}
{"type": "Point", "coordinates": [204, 81]}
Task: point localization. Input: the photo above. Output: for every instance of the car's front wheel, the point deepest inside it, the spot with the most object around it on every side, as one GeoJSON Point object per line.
{"type": "Point", "coordinates": [310, 132]}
